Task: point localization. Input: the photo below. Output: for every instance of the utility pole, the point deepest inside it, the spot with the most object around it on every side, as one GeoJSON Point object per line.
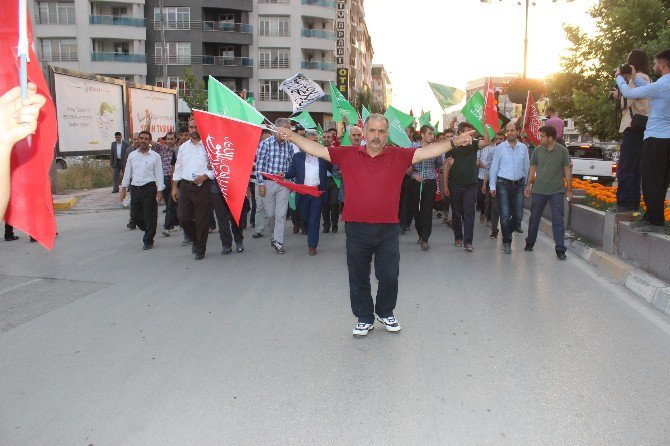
{"type": "Point", "coordinates": [525, 43]}
{"type": "Point", "coordinates": [163, 18]}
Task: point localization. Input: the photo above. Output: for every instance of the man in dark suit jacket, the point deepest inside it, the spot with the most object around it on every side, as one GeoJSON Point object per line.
{"type": "Point", "coordinates": [304, 169]}
{"type": "Point", "coordinates": [117, 159]}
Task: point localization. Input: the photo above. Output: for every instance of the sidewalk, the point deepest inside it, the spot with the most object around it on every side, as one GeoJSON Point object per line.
{"type": "Point", "coordinates": [87, 200]}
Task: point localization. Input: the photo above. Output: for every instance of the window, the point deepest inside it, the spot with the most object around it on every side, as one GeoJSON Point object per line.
{"type": "Point", "coordinates": [121, 47]}
{"type": "Point", "coordinates": [178, 53]}
{"type": "Point", "coordinates": [270, 91]}
{"type": "Point", "coordinates": [178, 17]}
{"type": "Point", "coordinates": [175, 83]}
{"type": "Point", "coordinates": [59, 50]}
{"type": "Point", "coordinates": [274, 58]}
{"type": "Point", "coordinates": [120, 11]}
{"type": "Point", "coordinates": [55, 13]}
{"type": "Point", "coordinates": [274, 26]}
{"type": "Point", "coordinates": [274, 2]}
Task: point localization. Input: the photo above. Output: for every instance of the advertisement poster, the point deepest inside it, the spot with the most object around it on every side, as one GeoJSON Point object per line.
{"type": "Point", "coordinates": [151, 110]}
{"type": "Point", "coordinates": [88, 112]}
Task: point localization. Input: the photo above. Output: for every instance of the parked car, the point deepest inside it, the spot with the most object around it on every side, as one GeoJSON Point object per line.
{"type": "Point", "coordinates": [590, 162]}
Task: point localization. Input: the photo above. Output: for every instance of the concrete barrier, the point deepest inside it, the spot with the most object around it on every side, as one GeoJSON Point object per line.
{"type": "Point", "coordinates": [649, 252]}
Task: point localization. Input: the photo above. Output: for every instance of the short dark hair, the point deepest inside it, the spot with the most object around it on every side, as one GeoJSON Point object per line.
{"type": "Point", "coordinates": [266, 131]}
{"type": "Point", "coordinates": [332, 129]}
{"type": "Point", "coordinates": [551, 109]}
{"type": "Point", "coordinates": [463, 125]}
{"type": "Point", "coordinates": [501, 133]}
{"type": "Point", "coordinates": [183, 129]}
{"type": "Point", "coordinates": [663, 55]}
{"type": "Point", "coordinates": [170, 133]}
{"type": "Point", "coordinates": [549, 131]}
{"type": "Point", "coordinates": [449, 130]}
{"type": "Point", "coordinates": [424, 128]}
{"type": "Point", "coordinates": [640, 60]}
{"type": "Point", "coordinates": [117, 134]}
{"type": "Point", "coordinates": [146, 132]}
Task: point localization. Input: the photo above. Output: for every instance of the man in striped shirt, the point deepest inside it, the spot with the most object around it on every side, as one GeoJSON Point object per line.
{"type": "Point", "coordinates": [274, 157]}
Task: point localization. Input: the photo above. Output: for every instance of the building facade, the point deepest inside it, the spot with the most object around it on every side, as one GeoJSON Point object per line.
{"type": "Point", "coordinates": [382, 93]}
{"type": "Point", "coordinates": [360, 49]}
{"type": "Point", "coordinates": [100, 37]}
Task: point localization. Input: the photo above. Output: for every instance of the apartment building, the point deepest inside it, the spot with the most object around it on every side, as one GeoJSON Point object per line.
{"type": "Point", "coordinates": [382, 93]}
{"type": "Point", "coordinates": [100, 37]}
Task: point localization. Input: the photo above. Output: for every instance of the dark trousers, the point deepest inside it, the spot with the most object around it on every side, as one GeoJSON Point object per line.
{"type": "Point", "coordinates": [295, 216]}
{"type": "Point", "coordinates": [628, 170]}
{"type": "Point", "coordinates": [144, 210]}
{"type": "Point", "coordinates": [404, 213]}
{"type": "Point", "coordinates": [252, 216]}
{"type": "Point", "coordinates": [310, 213]}
{"type": "Point", "coordinates": [365, 240]}
{"type": "Point", "coordinates": [463, 202]}
{"type": "Point", "coordinates": [170, 206]}
{"type": "Point", "coordinates": [420, 203]}
{"type": "Point", "coordinates": [228, 229]}
{"type": "Point", "coordinates": [492, 210]}
{"type": "Point", "coordinates": [193, 212]}
{"type": "Point", "coordinates": [331, 208]}
{"type": "Point", "coordinates": [655, 177]}
{"type": "Point", "coordinates": [117, 177]}
{"type": "Point", "coordinates": [510, 201]}
{"type": "Point", "coordinates": [9, 230]}
{"type": "Point", "coordinates": [481, 197]}
{"type": "Point", "coordinates": [557, 222]}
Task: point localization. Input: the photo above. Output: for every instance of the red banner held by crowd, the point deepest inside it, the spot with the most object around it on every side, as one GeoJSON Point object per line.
{"type": "Point", "coordinates": [30, 207]}
{"type": "Point", "coordinates": [490, 109]}
{"type": "Point", "coordinates": [531, 121]}
{"type": "Point", "coordinates": [231, 147]}
{"type": "Point", "coordinates": [297, 188]}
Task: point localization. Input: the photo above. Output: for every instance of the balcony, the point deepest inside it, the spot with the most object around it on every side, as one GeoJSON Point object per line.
{"type": "Point", "coordinates": [116, 20]}
{"type": "Point", "coordinates": [226, 61]}
{"type": "Point", "coordinates": [58, 57]}
{"type": "Point", "coordinates": [323, 3]}
{"type": "Point", "coordinates": [66, 19]}
{"type": "Point", "coordinates": [227, 26]}
{"type": "Point", "coordinates": [325, 66]}
{"type": "Point", "coordinates": [317, 34]}
{"type": "Point", "coordinates": [171, 25]}
{"type": "Point", "coordinates": [118, 57]}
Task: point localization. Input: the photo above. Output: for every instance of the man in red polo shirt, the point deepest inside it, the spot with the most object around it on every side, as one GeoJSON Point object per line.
{"type": "Point", "coordinates": [373, 174]}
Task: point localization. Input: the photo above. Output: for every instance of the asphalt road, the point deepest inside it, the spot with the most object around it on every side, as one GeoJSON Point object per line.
{"type": "Point", "coordinates": [102, 343]}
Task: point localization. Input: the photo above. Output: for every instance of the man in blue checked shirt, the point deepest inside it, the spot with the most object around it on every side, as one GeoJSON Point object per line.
{"type": "Point", "coordinates": [655, 163]}
{"type": "Point", "coordinates": [507, 182]}
{"type": "Point", "coordinates": [274, 157]}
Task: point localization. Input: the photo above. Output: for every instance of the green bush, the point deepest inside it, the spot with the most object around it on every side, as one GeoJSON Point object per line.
{"type": "Point", "coordinates": [90, 174]}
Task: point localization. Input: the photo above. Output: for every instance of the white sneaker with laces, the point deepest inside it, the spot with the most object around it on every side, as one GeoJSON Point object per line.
{"type": "Point", "coordinates": [362, 329]}
{"type": "Point", "coordinates": [390, 323]}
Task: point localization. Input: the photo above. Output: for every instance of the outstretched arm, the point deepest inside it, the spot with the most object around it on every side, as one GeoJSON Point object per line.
{"type": "Point", "coordinates": [304, 144]}
{"type": "Point", "coordinates": [438, 148]}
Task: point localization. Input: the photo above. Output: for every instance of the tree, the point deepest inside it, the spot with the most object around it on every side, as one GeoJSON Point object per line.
{"type": "Point", "coordinates": [195, 95]}
{"type": "Point", "coordinates": [580, 91]}
{"type": "Point", "coordinates": [365, 97]}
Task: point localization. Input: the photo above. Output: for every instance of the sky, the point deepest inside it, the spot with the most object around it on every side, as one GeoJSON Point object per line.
{"type": "Point", "coordinates": [453, 41]}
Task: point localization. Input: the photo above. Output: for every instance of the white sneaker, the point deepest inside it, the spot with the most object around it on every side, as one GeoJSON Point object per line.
{"type": "Point", "coordinates": [390, 323]}
{"type": "Point", "coordinates": [362, 329]}
{"type": "Point", "coordinates": [166, 232]}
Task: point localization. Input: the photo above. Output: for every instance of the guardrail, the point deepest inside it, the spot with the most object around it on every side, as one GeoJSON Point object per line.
{"type": "Point", "coordinates": [317, 33]}
{"type": "Point", "coordinates": [116, 20]}
{"type": "Point", "coordinates": [118, 57]}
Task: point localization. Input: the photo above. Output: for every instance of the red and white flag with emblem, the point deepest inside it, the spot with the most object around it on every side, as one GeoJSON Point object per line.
{"type": "Point", "coordinates": [231, 147]}
{"type": "Point", "coordinates": [490, 108]}
{"type": "Point", "coordinates": [531, 121]}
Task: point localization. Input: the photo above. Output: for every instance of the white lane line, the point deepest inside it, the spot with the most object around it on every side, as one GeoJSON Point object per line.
{"type": "Point", "coordinates": [21, 285]}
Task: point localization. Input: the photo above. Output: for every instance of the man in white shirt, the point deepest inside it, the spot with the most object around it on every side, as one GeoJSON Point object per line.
{"type": "Point", "coordinates": [144, 176]}
{"type": "Point", "coordinates": [191, 189]}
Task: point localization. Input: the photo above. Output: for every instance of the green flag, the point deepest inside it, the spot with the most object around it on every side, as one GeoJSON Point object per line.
{"type": "Point", "coordinates": [305, 120]}
{"type": "Point", "coordinates": [436, 126]}
{"type": "Point", "coordinates": [446, 96]}
{"type": "Point", "coordinates": [346, 140]}
{"type": "Point", "coordinates": [404, 119]}
{"type": "Point", "coordinates": [397, 133]}
{"type": "Point", "coordinates": [319, 131]}
{"type": "Point", "coordinates": [342, 108]}
{"type": "Point", "coordinates": [291, 200]}
{"type": "Point", "coordinates": [424, 119]}
{"type": "Point", "coordinates": [473, 110]}
{"type": "Point", "coordinates": [364, 113]}
{"type": "Point", "coordinates": [221, 100]}
{"type": "Point", "coordinates": [250, 101]}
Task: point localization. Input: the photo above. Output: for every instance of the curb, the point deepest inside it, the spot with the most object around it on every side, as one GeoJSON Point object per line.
{"type": "Point", "coordinates": [647, 287]}
{"type": "Point", "coordinates": [64, 204]}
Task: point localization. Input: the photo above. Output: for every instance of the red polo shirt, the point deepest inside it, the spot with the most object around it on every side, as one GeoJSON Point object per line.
{"type": "Point", "coordinates": [372, 184]}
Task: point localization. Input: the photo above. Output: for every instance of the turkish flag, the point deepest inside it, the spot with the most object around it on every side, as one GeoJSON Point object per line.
{"type": "Point", "coordinates": [30, 207]}
{"type": "Point", "coordinates": [297, 188]}
{"type": "Point", "coordinates": [231, 147]}
{"type": "Point", "coordinates": [490, 109]}
{"type": "Point", "coordinates": [531, 121]}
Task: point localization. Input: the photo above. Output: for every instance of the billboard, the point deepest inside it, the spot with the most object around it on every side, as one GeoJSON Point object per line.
{"type": "Point", "coordinates": [151, 108]}
{"type": "Point", "coordinates": [89, 110]}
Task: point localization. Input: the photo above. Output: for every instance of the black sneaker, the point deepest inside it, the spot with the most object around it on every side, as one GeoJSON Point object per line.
{"type": "Point", "coordinates": [390, 323]}
{"type": "Point", "coordinates": [185, 242]}
{"type": "Point", "coordinates": [131, 226]}
{"type": "Point", "coordinates": [519, 230]}
{"type": "Point", "coordinates": [239, 247]}
{"type": "Point", "coordinates": [362, 329]}
{"type": "Point", "coordinates": [199, 256]}
{"type": "Point", "coordinates": [507, 248]}
{"type": "Point", "coordinates": [529, 246]}
{"type": "Point", "coordinates": [11, 238]}
{"type": "Point", "coordinates": [326, 230]}
{"type": "Point", "coordinates": [494, 234]}
{"type": "Point", "coordinates": [561, 255]}
{"type": "Point", "coordinates": [279, 247]}
{"type": "Point", "coordinates": [226, 250]}
{"type": "Point", "coordinates": [257, 235]}
{"type": "Point", "coordinates": [334, 229]}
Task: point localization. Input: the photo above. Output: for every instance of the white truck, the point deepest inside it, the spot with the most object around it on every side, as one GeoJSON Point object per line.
{"type": "Point", "coordinates": [591, 162]}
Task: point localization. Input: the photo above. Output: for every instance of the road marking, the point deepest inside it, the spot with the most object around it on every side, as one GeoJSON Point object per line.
{"type": "Point", "coordinates": [21, 285]}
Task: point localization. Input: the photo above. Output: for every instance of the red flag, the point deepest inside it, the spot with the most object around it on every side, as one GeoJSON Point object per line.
{"type": "Point", "coordinates": [231, 147]}
{"type": "Point", "coordinates": [30, 207]}
{"type": "Point", "coordinates": [298, 188]}
{"type": "Point", "coordinates": [531, 121]}
{"type": "Point", "coordinates": [490, 109]}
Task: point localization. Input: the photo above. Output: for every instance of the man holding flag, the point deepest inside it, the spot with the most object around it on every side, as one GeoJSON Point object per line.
{"type": "Point", "coordinates": [373, 174]}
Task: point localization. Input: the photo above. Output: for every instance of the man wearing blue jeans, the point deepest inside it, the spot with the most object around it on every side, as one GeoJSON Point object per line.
{"type": "Point", "coordinates": [507, 180]}
{"type": "Point", "coordinates": [551, 163]}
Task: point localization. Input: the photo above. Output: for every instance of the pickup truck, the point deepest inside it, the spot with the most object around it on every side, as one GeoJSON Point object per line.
{"type": "Point", "coordinates": [590, 162]}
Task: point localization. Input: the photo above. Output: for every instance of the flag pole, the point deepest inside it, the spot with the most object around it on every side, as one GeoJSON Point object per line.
{"type": "Point", "coordinates": [23, 48]}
